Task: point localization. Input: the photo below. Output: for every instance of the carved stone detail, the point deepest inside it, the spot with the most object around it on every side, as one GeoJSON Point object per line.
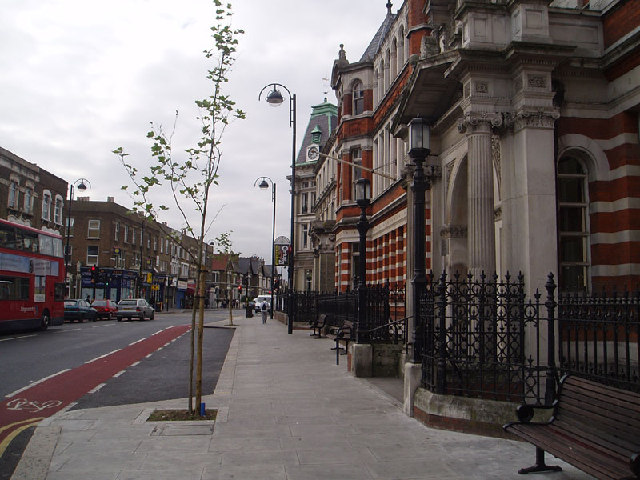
{"type": "Point", "coordinates": [474, 121]}
{"type": "Point", "coordinates": [537, 81]}
{"type": "Point", "coordinates": [482, 87]}
{"type": "Point", "coordinates": [497, 156]}
{"type": "Point", "coordinates": [453, 231]}
{"type": "Point", "coordinates": [532, 119]}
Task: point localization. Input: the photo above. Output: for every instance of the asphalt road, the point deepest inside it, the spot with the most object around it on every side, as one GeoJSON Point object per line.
{"type": "Point", "coordinates": [41, 362]}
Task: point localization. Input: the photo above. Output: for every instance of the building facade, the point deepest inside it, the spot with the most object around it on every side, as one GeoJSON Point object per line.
{"type": "Point", "coordinates": [29, 195]}
{"type": "Point", "coordinates": [534, 158]}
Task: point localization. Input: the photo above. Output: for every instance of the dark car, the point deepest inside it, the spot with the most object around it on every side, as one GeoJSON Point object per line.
{"type": "Point", "coordinates": [78, 310]}
{"type": "Point", "coordinates": [135, 308]}
{"type": "Point", "coordinates": [105, 309]}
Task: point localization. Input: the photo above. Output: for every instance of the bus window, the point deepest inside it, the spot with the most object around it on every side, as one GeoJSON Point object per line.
{"type": "Point", "coordinates": [14, 288]}
{"type": "Point", "coordinates": [7, 236]}
{"type": "Point", "coordinates": [59, 291]}
{"type": "Point", "coordinates": [46, 245]}
{"type": "Point", "coordinates": [39, 293]}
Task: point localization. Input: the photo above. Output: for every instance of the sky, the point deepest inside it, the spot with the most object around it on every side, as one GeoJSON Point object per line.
{"type": "Point", "coordinates": [81, 78]}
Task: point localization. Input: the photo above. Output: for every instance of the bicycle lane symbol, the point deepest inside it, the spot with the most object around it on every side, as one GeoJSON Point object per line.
{"type": "Point", "coordinates": [33, 406]}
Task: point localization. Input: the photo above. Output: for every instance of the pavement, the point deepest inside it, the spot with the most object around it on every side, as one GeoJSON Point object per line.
{"type": "Point", "coordinates": [285, 411]}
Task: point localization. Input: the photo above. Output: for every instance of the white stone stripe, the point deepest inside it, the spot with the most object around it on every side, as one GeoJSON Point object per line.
{"type": "Point", "coordinates": [615, 270]}
{"type": "Point", "coordinates": [624, 171]}
{"type": "Point", "coordinates": [616, 237]}
{"type": "Point", "coordinates": [622, 139]}
{"type": "Point", "coordinates": [615, 206]}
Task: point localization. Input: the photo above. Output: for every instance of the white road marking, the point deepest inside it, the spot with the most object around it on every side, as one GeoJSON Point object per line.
{"type": "Point", "coordinates": [35, 383]}
{"type": "Point", "coordinates": [96, 388]}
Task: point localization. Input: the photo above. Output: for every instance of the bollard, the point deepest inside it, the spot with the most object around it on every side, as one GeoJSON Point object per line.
{"type": "Point", "coordinates": [202, 409]}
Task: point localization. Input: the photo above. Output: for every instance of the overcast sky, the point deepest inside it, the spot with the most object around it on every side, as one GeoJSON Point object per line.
{"type": "Point", "coordinates": [80, 78]}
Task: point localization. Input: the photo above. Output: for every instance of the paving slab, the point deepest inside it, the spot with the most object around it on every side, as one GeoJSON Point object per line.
{"type": "Point", "coordinates": [285, 412]}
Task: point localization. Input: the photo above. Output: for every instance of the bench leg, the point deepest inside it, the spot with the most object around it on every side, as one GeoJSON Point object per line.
{"type": "Point", "coordinates": [540, 465]}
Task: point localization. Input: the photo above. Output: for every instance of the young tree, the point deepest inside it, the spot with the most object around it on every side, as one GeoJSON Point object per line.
{"type": "Point", "coordinates": [191, 175]}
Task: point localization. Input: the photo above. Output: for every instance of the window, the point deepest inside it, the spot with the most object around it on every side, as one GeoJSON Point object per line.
{"type": "Point", "coordinates": [356, 172]}
{"type": "Point", "coordinates": [133, 236]}
{"type": "Point", "coordinates": [94, 229]}
{"type": "Point", "coordinates": [358, 98]}
{"type": "Point", "coordinates": [126, 234]}
{"type": "Point", "coordinates": [92, 255]}
{"type": "Point", "coordinates": [57, 210]}
{"type": "Point", "coordinates": [305, 236]}
{"type": "Point", "coordinates": [573, 229]}
{"type": "Point", "coordinates": [116, 231]}
{"type": "Point", "coordinates": [14, 194]}
{"type": "Point", "coordinates": [14, 288]}
{"type": "Point", "coordinates": [69, 225]}
{"type": "Point", "coordinates": [28, 200]}
{"type": "Point", "coordinates": [46, 205]}
{"type": "Point", "coordinates": [304, 205]}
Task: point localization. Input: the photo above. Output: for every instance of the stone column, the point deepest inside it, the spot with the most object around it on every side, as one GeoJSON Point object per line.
{"type": "Point", "coordinates": [480, 203]}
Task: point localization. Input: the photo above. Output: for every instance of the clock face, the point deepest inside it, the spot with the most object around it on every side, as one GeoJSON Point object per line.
{"type": "Point", "coordinates": [312, 153]}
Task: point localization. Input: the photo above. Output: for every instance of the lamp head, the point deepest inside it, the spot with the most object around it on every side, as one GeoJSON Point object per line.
{"type": "Point", "coordinates": [263, 184]}
{"type": "Point", "coordinates": [275, 97]}
{"type": "Point", "coordinates": [419, 137]}
{"type": "Point", "coordinates": [363, 192]}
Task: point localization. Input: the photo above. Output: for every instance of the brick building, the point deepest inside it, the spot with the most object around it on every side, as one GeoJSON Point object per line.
{"type": "Point", "coordinates": [30, 195]}
{"type": "Point", "coordinates": [534, 163]}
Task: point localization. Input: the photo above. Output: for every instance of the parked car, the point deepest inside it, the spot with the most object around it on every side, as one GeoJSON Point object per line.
{"type": "Point", "coordinates": [105, 309]}
{"type": "Point", "coordinates": [76, 309]}
{"type": "Point", "coordinates": [131, 308]}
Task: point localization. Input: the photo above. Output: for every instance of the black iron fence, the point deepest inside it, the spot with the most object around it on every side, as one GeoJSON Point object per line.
{"type": "Point", "coordinates": [384, 311]}
{"type": "Point", "coordinates": [598, 338]}
{"type": "Point", "coordinates": [483, 338]}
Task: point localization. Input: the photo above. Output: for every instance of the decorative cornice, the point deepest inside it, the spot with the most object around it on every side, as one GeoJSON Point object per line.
{"type": "Point", "coordinates": [531, 119]}
{"type": "Point", "coordinates": [453, 231]}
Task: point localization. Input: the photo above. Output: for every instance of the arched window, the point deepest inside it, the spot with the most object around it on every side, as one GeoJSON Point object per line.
{"type": "Point", "coordinates": [57, 211]}
{"type": "Point", "coordinates": [358, 98]}
{"type": "Point", "coordinates": [573, 225]}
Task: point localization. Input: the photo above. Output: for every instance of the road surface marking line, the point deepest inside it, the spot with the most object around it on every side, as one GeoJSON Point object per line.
{"type": "Point", "coordinates": [7, 339]}
{"type": "Point", "coordinates": [105, 355]}
{"type": "Point", "coordinates": [119, 373]}
{"type": "Point", "coordinates": [5, 443]}
{"type": "Point", "coordinates": [27, 420]}
{"type": "Point", "coordinates": [96, 388]}
{"type": "Point", "coordinates": [137, 341]}
{"type": "Point", "coordinates": [148, 355]}
{"type": "Point", "coordinates": [134, 364]}
{"type": "Point", "coordinates": [26, 336]}
{"type": "Point", "coordinates": [32, 384]}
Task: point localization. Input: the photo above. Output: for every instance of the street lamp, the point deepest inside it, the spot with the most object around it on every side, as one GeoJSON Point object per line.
{"type": "Point", "coordinates": [263, 185]}
{"type": "Point", "coordinates": [82, 186]}
{"type": "Point", "coordinates": [363, 196]}
{"type": "Point", "coordinates": [274, 98]}
{"type": "Point", "coordinates": [419, 137]}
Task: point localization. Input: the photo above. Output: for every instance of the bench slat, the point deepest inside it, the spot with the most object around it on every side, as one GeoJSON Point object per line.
{"type": "Point", "coordinates": [591, 461]}
{"type": "Point", "coordinates": [588, 434]}
{"type": "Point", "coordinates": [631, 399]}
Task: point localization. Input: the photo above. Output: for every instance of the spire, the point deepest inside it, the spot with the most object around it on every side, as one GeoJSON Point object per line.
{"type": "Point", "coordinates": [389, 5]}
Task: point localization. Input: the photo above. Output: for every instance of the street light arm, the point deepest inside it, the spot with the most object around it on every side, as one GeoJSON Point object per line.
{"type": "Point", "coordinates": [367, 169]}
{"type": "Point", "coordinates": [273, 85]}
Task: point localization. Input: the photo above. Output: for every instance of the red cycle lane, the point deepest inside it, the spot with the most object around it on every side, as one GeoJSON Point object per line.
{"type": "Point", "coordinates": [43, 399]}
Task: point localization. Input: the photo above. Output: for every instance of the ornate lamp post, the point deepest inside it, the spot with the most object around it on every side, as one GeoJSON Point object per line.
{"type": "Point", "coordinates": [82, 186]}
{"type": "Point", "coordinates": [419, 137]}
{"type": "Point", "coordinates": [363, 196]}
{"type": "Point", "coordinates": [263, 185]}
{"type": "Point", "coordinates": [274, 98]}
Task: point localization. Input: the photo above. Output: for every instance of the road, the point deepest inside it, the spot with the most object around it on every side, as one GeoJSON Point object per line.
{"type": "Point", "coordinates": [97, 364]}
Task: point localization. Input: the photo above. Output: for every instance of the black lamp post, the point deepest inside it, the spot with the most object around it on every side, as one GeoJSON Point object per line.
{"type": "Point", "coordinates": [363, 196]}
{"type": "Point", "coordinates": [419, 137]}
{"type": "Point", "coordinates": [82, 186]}
{"type": "Point", "coordinates": [263, 185]}
{"type": "Point", "coordinates": [274, 98]}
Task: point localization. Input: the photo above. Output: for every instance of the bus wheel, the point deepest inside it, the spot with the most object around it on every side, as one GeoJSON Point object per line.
{"type": "Point", "coordinates": [44, 321]}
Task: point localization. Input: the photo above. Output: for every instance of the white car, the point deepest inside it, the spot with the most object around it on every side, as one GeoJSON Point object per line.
{"type": "Point", "coordinates": [258, 302]}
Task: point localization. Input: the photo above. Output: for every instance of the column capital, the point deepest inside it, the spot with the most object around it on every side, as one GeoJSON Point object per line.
{"type": "Point", "coordinates": [544, 119]}
{"type": "Point", "coordinates": [479, 122]}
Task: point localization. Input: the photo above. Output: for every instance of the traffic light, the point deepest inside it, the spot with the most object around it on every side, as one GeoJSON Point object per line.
{"type": "Point", "coordinates": [240, 289]}
{"type": "Point", "coordinates": [94, 274]}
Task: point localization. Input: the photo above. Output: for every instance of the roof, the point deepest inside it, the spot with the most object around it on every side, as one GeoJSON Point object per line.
{"type": "Point", "coordinates": [324, 118]}
{"type": "Point", "coordinates": [379, 37]}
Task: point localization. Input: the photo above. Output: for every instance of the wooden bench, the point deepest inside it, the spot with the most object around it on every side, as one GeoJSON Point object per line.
{"type": "Point", "coordinates": [342, 333]}
{"type": "Point", "coordinates": [594, 427]}
{"type": "Point", "coordinates": [317, 325]}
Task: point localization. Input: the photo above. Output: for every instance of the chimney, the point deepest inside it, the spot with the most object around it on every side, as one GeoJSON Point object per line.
{"type": "Point", "coordinates": [111, 199]}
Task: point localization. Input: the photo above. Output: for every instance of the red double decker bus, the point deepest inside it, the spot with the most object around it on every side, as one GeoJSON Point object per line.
{"type": "Point", "coordinates": [32, 284]}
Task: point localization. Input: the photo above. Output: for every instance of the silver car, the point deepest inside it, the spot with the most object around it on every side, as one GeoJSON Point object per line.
{"type": "Point", "coordinates": [135, 308]}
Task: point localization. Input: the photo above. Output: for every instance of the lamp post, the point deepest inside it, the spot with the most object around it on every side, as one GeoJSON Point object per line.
{"type": "Point", "coordinates": [82, 186]}
{"type": "Point", "coordinates": [419, 137]}
{"type": "Point", "coordinates": [363, 196]}
{"type": "Point", "coordinates": [274, 98]}
{"type": "Point", "coordinates": [263, 185]}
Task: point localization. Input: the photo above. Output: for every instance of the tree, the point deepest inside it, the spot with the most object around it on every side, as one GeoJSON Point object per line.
{"type": "Point", "coordinates": [190, 177]}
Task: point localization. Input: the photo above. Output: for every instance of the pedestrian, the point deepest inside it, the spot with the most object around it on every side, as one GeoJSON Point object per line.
{"type": "Point", "coordinates": [263, 308]}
